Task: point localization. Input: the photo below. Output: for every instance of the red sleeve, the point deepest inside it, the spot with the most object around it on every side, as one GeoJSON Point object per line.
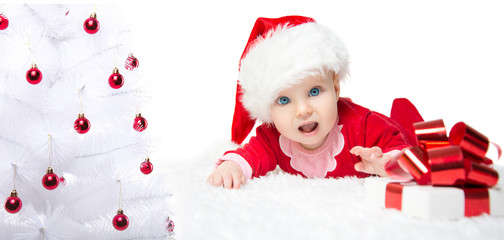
{"type": "Point", "coordinates": [262, 151]}
{"type": "Point", "coordinates": [382, 132]}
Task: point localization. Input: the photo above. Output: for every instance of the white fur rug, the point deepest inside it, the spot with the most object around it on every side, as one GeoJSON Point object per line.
{"type": "Point", "coordinates": [282, 206]}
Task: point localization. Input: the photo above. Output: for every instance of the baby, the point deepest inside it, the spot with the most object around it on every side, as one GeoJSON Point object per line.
{"type": "Point", "coordinates": [289, 79]}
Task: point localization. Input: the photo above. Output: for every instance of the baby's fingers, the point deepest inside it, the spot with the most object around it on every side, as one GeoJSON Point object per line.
{"type": "Point", "coordinates": [238, 180]}
{"type": "Point", "coordinates": [365, 168]}
{"type": "Point", "coordinates": [357, 150]}
{"type": "Point", "coordinates": [360, 151]}
{"type": "Point", "coordinates": [228, 181]}
{"type": "Point", "coordinates": [215, 180]}
{"type": "Point", "coordinates": [376, 152]}
{"type": "Point", "coordinates": [359, 167]}
{"type": "Point", "coordinates": [367, 153]}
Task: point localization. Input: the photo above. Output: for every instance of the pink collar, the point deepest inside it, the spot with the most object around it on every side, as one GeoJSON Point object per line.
{"type": "Point", "coordinates": [318, 162]}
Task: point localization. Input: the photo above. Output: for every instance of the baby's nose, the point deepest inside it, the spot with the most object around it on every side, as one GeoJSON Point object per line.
{"type": "Point", "coordinates": [304, 110]}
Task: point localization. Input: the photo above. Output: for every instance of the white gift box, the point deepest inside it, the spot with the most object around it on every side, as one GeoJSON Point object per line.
{"type": "Point", "coordinates": [429, 202]}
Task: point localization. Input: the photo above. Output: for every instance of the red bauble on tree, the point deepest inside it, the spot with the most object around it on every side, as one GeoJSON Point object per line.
{"type": "Point", "coordinates": [62, 181]}
{"type": "Point", "coordinates": [140, 123]}
{"type": "Point", "coordinates": [82, 124]}
{"type": "Point", "coordinates": [120, 221]}
{"type": "Point", "coordinates": [50, 181]}
{"type": "Point", "coordinates": [131, 62]}
{"type": "Point", "coordinates": [13, 203]}
{"type": "Point", "coordinates": [4, 22]}
{"type": "Point", "coordinates": [116, 80]}
{"type": "Point", "coordinates": [170, 226]}
{"type": "Point", "coordinates": [146, 166]}
{"type": "Point", "coordinates": [91, 25]}
{"type": "Point", "coordinates": [34, 75]}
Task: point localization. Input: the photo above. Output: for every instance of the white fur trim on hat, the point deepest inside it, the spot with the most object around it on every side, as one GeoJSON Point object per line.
{"type": "Point", "coordinates": [282, 58]}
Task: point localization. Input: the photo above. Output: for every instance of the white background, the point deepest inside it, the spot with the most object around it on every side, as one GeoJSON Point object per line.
{"type": "Point", "coordinates": [447, 57]}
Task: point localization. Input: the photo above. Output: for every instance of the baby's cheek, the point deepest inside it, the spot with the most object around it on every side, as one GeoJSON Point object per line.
{"type": "Point", "coordinates": [281, 117]}
{"type": "Point", "coordinates": [331, 111]}
{"type": "Point", "coordinates": [284, 128]}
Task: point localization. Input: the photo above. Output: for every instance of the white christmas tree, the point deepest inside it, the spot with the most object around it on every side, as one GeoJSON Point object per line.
{"type": "Point", "coordinates": [73, 150]}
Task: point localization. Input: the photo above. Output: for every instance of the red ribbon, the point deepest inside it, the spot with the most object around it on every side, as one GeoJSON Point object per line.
{"type": "Point", "coordinates": [441, 161]}
{"type": "Point", "coordinates": [393, 196]}
{"type": "Point", "coordinates": [476, 201]}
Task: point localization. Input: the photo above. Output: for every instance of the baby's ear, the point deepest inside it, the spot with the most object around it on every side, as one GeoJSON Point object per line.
{"type": "Point", "coordinates": [336, 84]}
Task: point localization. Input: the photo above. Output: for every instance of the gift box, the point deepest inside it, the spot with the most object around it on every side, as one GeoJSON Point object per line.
{"type": "Point", "coordinates": [434, 202]}
{"type": "Point", "coordinates": [441, 178]}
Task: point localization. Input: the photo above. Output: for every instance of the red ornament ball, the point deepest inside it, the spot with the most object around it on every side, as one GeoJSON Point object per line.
{"type": "Point", "coordinates": [82, 124]}
{"type": "Point", "coordinates": [146, 167]}
{"type": "Point", "coordinates": [131, 62]}
{"type": "Point", "coordinates": [170, 226]}
{"type": "Point", "coordinates": [140, 123]}
{"type": "Point", "coordinates": [50, 181]}
{"type": "Point", "coordinates": [62, 181]}
{"type": "Point", "coordinates": [34, 75]}
{"type": "Point", "coordinates": [120, 221]}
{"type": "Point", "coordinates": [13, 204]}
{"type": "Point", "coordinates": [91, 25]}
{"type": "Point", "coordinates": [116, 80]}
{"type": "Point", "coordinates": [4, 22]}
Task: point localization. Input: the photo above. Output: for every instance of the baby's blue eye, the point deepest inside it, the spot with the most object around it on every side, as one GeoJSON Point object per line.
{"type": "Point", "coordinates": [314, 91]}
{"type": "Point", "coordinates": [283, 100]}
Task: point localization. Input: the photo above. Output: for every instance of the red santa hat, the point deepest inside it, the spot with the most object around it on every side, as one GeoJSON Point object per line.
{"type": "Point", "coordinates": [281, 52]}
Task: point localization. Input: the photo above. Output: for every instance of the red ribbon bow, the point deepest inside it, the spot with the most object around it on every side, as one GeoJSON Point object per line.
{"type": "Point", "coordinates": [441, 161]}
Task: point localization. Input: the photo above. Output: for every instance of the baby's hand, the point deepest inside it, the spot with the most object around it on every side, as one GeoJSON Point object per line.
{"type": "Point", "coordinates": [373, 160]}
{"type": "Point", "coordinates": [228, 174]}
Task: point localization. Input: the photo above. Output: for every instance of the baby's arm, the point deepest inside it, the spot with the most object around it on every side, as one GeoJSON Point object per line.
{"type": "Point", "coordinates": [254, 159]}
{"type": "Point", "coordinates": [228, 174]}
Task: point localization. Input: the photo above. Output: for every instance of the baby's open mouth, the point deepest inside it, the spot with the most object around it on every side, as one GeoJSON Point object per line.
{"type": "Point", "coordinates": [309, 127]}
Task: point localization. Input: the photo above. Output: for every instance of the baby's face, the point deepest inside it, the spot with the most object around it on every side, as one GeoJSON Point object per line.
{"type": "Point", "coordinates": [306, 112]}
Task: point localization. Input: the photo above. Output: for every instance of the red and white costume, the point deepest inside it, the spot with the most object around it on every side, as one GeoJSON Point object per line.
{"type": "Point", "coordinates": [356, 126]}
